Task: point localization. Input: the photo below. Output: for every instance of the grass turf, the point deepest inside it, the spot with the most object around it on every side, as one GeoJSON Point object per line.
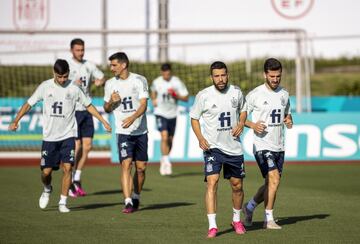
{"type": "Point", "coordinates": [315, 204]}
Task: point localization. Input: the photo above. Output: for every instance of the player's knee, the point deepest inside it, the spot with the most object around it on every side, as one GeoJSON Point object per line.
{"type": "Point", "coordinates": [87, 147]}
{"type": "Point", "coordinates": [141, 169]}
{"type": "Point", "coordinates": [46, 173]}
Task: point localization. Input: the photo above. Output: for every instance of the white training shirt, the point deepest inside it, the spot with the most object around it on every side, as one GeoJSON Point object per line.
{"type": "Point", "coordinates": [59, 104]}
{"type": "Point", "coordinates": [271, 107]}
{"type": "Point", "coordinates": [166, 104]}
{"type": "Point", "coordinates": [85, 71]}
{"type": "Point", "coordinates": [131, 90]}
{"type": "Point", "coordinates": [220, 113]}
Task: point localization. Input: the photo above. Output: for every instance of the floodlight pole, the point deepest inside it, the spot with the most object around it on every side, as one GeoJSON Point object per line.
{"type": "Point", "coordinates": [163, 36]}
{"type": "Point", "coordinates": [104, 34]}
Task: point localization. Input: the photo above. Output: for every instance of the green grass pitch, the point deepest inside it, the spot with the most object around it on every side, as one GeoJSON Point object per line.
{"type": "Point", "coordinates": [315, 204]}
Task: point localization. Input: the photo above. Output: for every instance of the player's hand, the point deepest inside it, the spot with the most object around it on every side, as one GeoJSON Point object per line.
{"type": "Point", "coordinates": [203, 144]}
{"type": "Point", "coordinates": [115, 97]}
{"type": "Point", "coordinates": [237, 130]}
{"type": "Point", "coordinates": [13, 126]}
{"type": "Point", "coordinates": [259, 127]}
{"type": "Point", "coordinates": [128, 121]}
{"type": "Point", "coordinates": [172, 92]}
{"type": "Point", "coordinates": [107, 126]}
{"type": "Point", "coordinates": [288, 122]}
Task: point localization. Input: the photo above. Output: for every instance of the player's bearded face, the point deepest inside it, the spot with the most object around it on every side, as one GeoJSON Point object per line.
{"type": "Point", "coordinates": [116, 67]}
{"type": "Point", "coordinates": [273, 78]}
{"type": "Point", "coordinates": [78, 52]}
{"type": "Point", "coordinates": [220, 78]}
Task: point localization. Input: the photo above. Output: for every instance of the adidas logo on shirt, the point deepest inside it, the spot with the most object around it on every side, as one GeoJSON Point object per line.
{"type": "Point", "coordinates": [214, 106]}
{"type": "Point", "coordinates": [265, 103]}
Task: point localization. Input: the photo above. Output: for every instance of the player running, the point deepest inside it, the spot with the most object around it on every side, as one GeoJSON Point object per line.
{"type": "Point", "coordinates": [223, 110]}
{"type": "Point", "coordinates": [59, 96]}
{"type": "Point", "coordinates": [270, 107]}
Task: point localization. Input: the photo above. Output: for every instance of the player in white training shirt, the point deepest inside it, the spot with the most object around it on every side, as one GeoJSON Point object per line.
{"type": "Point", "coordinates": [223, 110]}
{"type": "Point", "coordinates": [83, 73]}
{"type": "Point", "coordinates": [126, 97]}
{"type": "Point", "coordinates": [270, 107]}
{"type": "Point", "coordinates": [166, 90]}
{"type": "Point", "coordinates": [59, 96]}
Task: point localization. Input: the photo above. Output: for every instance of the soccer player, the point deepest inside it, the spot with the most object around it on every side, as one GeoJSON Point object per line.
{"type": "Point", "coordinates": [223, 111]}
{"type": "Point", "coordinates": [126, 96]}
{"type": "Point", "coordinates": [59, 96]}
{"type": "Point", "coordinates": [166, 90]}
{"type": "Point", "coordinates": [83, 73]}
{"type": "Point", "coordinates": [270, 107]}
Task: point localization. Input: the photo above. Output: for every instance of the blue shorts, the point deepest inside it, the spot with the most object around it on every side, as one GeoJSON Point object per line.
{"type": "Point", "coordinates": [134, 147]}
{"type": "Point", "coordinates": [269, 160]}
{"type": "Point", "coordinates": [166, 124]}
{"type": "Point", "coordinates": [85, 124]}
{"type": "Point", "coordinates": [55, 152]}
{"type": "Point", "coordinates": [233, 165]}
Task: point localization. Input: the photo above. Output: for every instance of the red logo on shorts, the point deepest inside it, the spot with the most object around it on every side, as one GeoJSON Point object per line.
{"type": "Point", "coordinates": [31, 14]}
{"type": "Point", "coordinates": [292, 9]}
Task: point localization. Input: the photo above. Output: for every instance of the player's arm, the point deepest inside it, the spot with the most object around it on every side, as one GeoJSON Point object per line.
{"type": "Point", "coordinates": [288, 121]}
{"type": "Point", "coordinates": [238, 129]}
{"type": "Point", "coordinates": [140, 111]}
{"type": "Point", "coordinates": [91, 109]}
{"type": "Point", "coordinates": [15, 123]}
{"type": "Point", "coordinates": [259, 127]}
{"type": "Point", "coordinates": [113, 103]}
{"type": "Point", "coordinates": [203, 143]}
{"type": "Point", "coordinates": [153, 96]}
{"type": "Point", "coordinates": [182, 98]}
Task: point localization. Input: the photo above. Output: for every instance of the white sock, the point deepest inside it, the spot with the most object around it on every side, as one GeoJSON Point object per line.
{"type": "Point", "coordinates": [128, 200]}
{"type": "Point", "coordinates": [269, 215]}
{"type": "Point", "coordinates": [62, 200]}
{"type": "Point", "coordinates": [166, 159]}
{"type": "Point", "coordinates": [77, 175]}
{"type": "Point", "coordinates": [236, 215]}
{"type": "Point", "coordinates": [135, 196]}
{"type": "Point", "coordinates": [47, 188]}
{"type": "Point", "coordinates": [212, 221]}
{"type": "Point", "coordinates": [251, 205]}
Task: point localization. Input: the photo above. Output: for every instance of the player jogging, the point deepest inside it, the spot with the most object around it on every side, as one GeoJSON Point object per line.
{"type": "Point", "coordinates": [59, 96]}
{"type": "Point", "coordinates": [223, 110]}
{"type": "Point", "coordinates": [270, 107]}
{"type": "Point", "coordinates": [166, 91]}
{"type": "Point", "coordinates": [126, 97]}
{"type": "Point", "coordinates": [83, 73]}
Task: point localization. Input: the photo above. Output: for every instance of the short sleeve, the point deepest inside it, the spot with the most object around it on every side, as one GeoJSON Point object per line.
{"type": "Point", "coordinates": [288, 107]}
{"type": "Point", "coordinates": [143, 87]}
{"type": "Point", "coordinates": [37, 96]}
{"type": "Point", "coordinates": [197, 108]}
{"type": "Point", "coordinates": [107, 91]}
{"type": "Point", "coordinates": [82, 98]}
{"type": "Point", "coordinates": [249, 103]}
{"type": "Point", "coordinates": [182, 89]}
{"type": "Point", "coordinates": [96, 72]}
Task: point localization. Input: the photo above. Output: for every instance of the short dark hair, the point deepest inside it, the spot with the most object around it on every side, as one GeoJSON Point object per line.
{"type": "Point", "coordinates": [61, 67]}
{"type": "Point", "coordinates": [217, 65]}
{"type": "Point", "coordinates": [165, 67]}
{"type": "Point", "coordinates": [121, 57]}
{"type": "Point", "coordinates": [272, 64]}
{"type": "Point", "coordinates": [77, 41]}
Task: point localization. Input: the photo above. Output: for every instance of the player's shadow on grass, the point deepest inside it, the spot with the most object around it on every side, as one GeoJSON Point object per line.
{"type": "Point", "coordinates": [94, 206]}
{"type": "Point", "coordinates": [283, 221]}
{"type": "Point", "coordinates": [110, 192]}
{"type": "Point", "coordinates": [166, 205]}
{"type": "Point", "coordinates": [257, 225]}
